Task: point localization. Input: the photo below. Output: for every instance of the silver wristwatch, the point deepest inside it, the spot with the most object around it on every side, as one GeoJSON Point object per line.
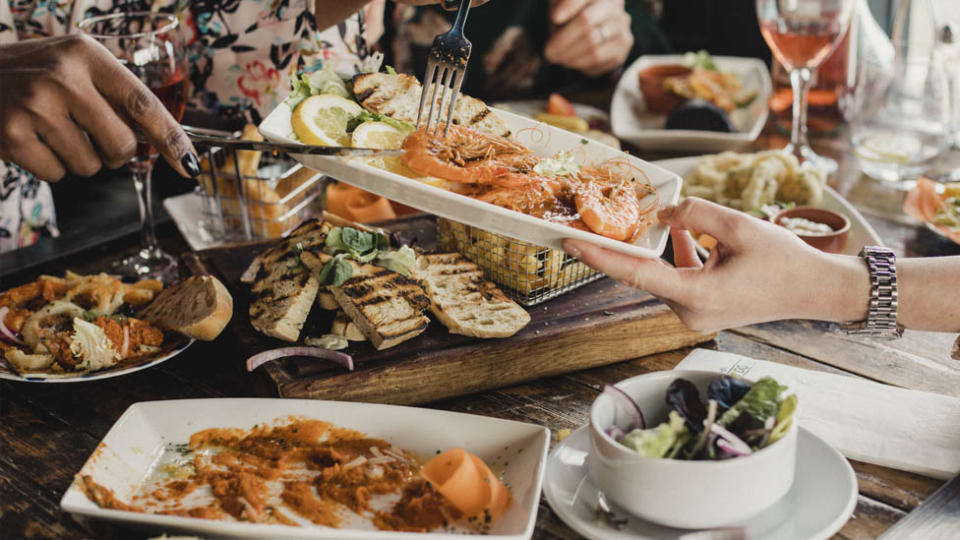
{"type": "Point", "coordinates": [882, 314]}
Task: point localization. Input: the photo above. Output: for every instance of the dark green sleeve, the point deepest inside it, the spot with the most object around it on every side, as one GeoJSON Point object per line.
{"type": "Point", "coordinates": [648, 38]}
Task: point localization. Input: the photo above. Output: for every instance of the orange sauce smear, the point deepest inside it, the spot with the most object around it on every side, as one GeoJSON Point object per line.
{"type": "Point", "coordinates": [322, 471]}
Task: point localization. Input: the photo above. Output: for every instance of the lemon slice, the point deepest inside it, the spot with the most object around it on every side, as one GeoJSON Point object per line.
{"type": "Point", "coordinates": [322, 120]}
{"type": "Point", "coordinates": [886, 147]}
{"type": "Point", "coordinates": [377, 135]}
{"type": "Point", "coordinates": [374, 134]}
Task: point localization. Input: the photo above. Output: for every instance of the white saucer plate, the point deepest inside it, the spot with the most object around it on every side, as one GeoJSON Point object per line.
{"type": "Point", "coordinates": [823, 496]}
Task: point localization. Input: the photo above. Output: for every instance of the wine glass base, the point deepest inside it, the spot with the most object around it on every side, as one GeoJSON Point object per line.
{"type": "Point", "coordinates": [147, 264]}
{"type": "Point", "coordinates": [806, 155]}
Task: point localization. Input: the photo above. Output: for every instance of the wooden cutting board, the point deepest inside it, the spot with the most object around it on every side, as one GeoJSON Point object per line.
{"type": "Point", "coordinates": [601, 323]}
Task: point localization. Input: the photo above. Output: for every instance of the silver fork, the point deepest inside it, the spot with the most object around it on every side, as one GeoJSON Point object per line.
{"type": "Point", "coordinates": [447, 63]}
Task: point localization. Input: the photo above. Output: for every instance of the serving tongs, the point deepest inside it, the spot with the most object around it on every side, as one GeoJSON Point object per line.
{"type": "Point", "coordinates": [232, 141]}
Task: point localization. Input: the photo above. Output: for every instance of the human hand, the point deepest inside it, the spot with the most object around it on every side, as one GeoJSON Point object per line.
{"type": "Point", "coordinates": [592, 36]}
{"type": "Point", "coordinates": [67, 105]}
{"type": "Point", "coordinates": [757, 272]}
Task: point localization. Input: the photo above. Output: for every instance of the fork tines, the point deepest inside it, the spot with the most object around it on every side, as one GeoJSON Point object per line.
{"type": "Point", "coordinates": [449, 77]}
{"type": "Point", "coordinates": [446, 66]}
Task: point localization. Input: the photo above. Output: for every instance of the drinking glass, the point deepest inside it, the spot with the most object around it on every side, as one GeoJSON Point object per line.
{"type": "Point", "coordinates": [801, 34]}
{"type": "Point", "coordinates": [900, 132]}
{"type": "Point", "coordinates": [151, 46]}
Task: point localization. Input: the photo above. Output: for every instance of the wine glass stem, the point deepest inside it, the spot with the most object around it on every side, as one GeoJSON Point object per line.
{"type": "Point", "coordinates": [142, 169]}
{"type": "Point", "coordinates": [800, 82]}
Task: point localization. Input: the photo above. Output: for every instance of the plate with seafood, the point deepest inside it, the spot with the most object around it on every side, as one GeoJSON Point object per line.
{"type": "Point", "coordinates": [691, 103]}
{"type": "Point", "coordinates": [288, 468]}
{"type": "Point", "coordinates": [80, 328]}
{"type": "Point", "coordinates": [494, 170]}
{"type": "Point", "coordinates": [763, 184]}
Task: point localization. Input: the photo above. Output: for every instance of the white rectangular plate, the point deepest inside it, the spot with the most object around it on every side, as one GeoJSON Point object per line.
{"type": "Point", "coordinates": [631, 122]}
{"type": "Point", "coordinates": [861, 232]}
{"type": "Point", "coordinates": [542, 139]}
{"type": "Point", "coordinates": [125, 456]}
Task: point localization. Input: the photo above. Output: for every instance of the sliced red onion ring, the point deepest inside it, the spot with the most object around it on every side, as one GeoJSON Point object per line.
{"type": "Point", "coordinates": [729, 442]}
{"type": "Point", "coordinates": [6, 332]}
{"type": "Point", "coordinates": [259, 359]}
{"type": "Point", "coordinates": [615, 433]}
{"type": "Point", "coordinates": [722, 444]}
{"type": "Point", "coordinates": [619, 396]}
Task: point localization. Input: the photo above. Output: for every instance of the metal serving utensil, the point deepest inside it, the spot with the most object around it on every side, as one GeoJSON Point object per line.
{"type": "Point", "coordinates": [227, 142]}
{"type": "Point", "coordinates": [447, 63]}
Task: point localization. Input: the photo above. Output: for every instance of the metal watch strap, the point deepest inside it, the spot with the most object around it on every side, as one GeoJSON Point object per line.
{"type": "Point", "coordinates": [882, 312]}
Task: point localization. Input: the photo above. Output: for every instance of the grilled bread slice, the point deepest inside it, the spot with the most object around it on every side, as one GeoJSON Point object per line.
{"type": "Point", "coordinates": [326, 301]}
{"type": "Point", "coordinates": [464, 301]}
{"type": "Point", "coordinates": [386, 306]}
{"type": "Point", "coordinates": [343, 326]}
{"type": "Point", "coordinates": [283, 289]}
{"type": "Point", "coordinates": [198, 307]}
{"type": "Point", "coordinates": [398, 96]}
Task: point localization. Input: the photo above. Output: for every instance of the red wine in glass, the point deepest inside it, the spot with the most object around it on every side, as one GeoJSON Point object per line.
{"type": "Point", "coordinates": [173, 95]}
{"type": "Point", "coordinates": [151, 46]}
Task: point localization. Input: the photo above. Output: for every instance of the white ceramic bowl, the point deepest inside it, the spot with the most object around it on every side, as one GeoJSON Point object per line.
{"type": "Point", "coordinates": [677, 493]}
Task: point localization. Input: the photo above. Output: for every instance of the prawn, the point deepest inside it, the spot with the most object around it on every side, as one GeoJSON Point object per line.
{"type": "Point", "coordinates": [536, 198]}
{"type": "Point", "coordinates": [468, 157]}
{"type": "Point", "coordinates": [609, 203]}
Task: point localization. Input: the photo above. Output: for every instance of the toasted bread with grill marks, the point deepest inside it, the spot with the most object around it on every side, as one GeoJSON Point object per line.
{"type": "Point", "coordinates": [398, 96]}
{"type": "Point", "coordinates": [464, 301]}
{"type": "Point", "coordinates": [283, 289]}
{"type": "Point", "coordinates": [343, 326]}
{"type": "Point", "coordinates": [386, 306]}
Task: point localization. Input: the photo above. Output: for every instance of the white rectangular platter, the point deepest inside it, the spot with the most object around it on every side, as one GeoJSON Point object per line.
{"type": "Point", "coordinates": [542, 139]}
{"type": "Point", "coordinates": [133, 445]}
{"type": "Point", "coordinates": [631, 122]}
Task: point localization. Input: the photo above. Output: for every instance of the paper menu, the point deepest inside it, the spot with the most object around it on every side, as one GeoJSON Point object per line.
{"type": "Point", "coordinates": [866, 421]}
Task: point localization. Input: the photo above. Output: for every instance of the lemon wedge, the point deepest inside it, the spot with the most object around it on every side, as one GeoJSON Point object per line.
{"type": "Point", "coordinates": [322, 120]}
{"type": "Point", "coordinates": [377, 135]}
{"type": "Point", "coordinates": [886, 147]}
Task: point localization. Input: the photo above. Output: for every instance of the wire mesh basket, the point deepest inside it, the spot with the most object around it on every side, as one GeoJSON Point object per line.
{"type": "Point", "coordinates": [247, 195]}
{"type": "Point", "coordinates": [528, 273]}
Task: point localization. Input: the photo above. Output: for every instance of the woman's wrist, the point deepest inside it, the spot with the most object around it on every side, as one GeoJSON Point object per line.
{"type": "Point", "coordinates": [843, 282]}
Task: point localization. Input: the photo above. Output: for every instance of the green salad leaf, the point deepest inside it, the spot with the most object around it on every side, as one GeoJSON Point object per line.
{"type": "Point", "coordinates": [336, 272]}
{"type": "Point", "coordinates": [665, 440]}
{"type": "Point", "coordinates": [400, 261]}
{"type": "Point", "coordinates": [784, 419]}
{"type": "Point", "coordinates": [700, 59]}
{"type": "Point", "coordinates": [761, 402]}
{"type": "Point", "coordinates": [322, 81]}
{"type": "Point", "coordinates": [367, 116]}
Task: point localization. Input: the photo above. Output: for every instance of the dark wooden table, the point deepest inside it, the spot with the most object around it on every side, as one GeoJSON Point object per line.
{"type": "Point", "coordinates": [48, 430]}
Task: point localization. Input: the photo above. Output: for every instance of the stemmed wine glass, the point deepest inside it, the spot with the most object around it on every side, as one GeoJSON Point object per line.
{"type": "Point", "coordinates": [801, 34]}
{"type": "Point", "coordinates": [151, 46]}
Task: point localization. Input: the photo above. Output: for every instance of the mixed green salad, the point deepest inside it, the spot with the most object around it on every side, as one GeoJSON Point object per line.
{"type": "Point", "coordinates": [736, 419]}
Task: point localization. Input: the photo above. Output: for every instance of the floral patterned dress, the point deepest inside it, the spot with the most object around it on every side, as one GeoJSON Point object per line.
{"type": "Point", "coordinates": [241, 55]}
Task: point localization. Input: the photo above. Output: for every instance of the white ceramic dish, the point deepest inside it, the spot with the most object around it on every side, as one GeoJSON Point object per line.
{"type": "Point", "coordinates": [631, 122]}
{"type": "Point", "coordinates": [134, 442]}
{"type": "Point", "coordinates": [11, 375]}
{"type": "Point", "coordinates": [665, 490]}
{"type": "Point", "coordinates": [823, 496]}
{"type": "Point", "coordinates": [861, 232]}
{"type": "Point", "coordinates": [543, 139]}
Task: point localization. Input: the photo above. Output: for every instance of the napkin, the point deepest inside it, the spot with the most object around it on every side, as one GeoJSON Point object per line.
{"type": "Point", "coordinates": [866, 421]}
